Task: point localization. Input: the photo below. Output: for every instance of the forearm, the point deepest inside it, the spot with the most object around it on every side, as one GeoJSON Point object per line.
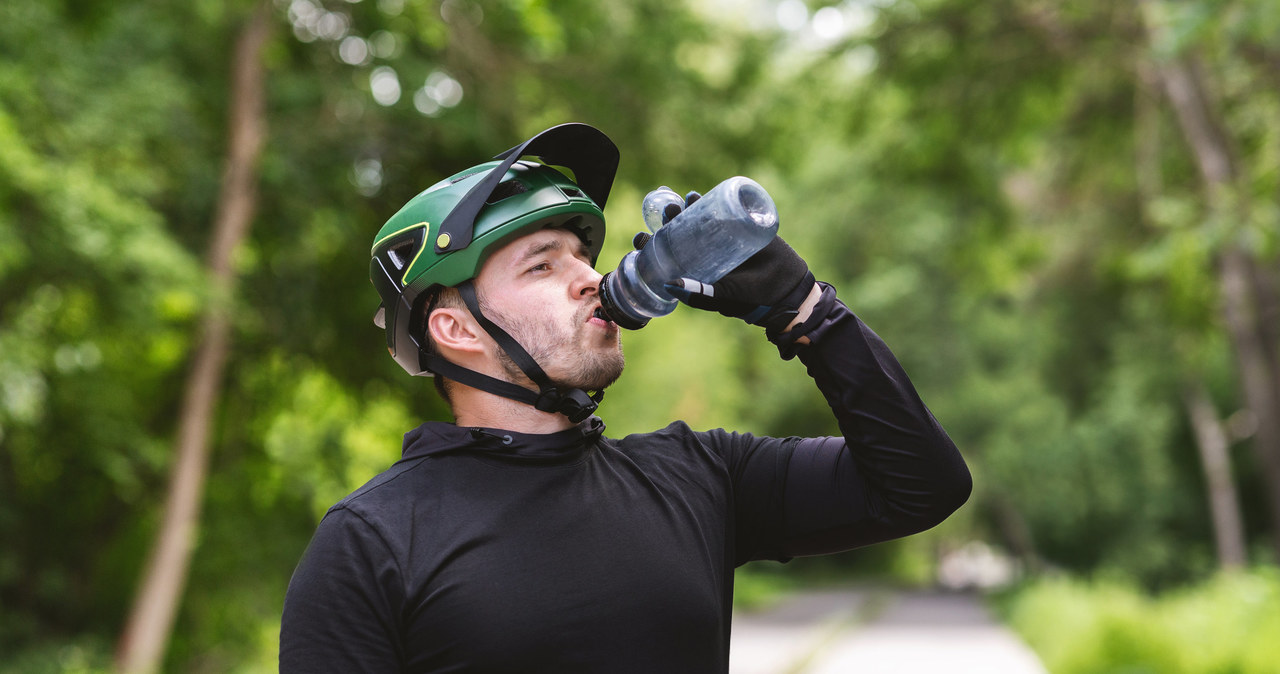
{"type": "Point", "coordinates": [896, 471]}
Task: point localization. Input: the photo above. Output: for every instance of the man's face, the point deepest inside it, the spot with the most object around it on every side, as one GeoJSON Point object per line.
{"type": "Point", "coordinates": [542, 290]}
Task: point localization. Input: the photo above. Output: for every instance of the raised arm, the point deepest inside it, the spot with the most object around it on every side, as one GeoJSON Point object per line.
{"type": "Point", "coordinates": [894, 471]}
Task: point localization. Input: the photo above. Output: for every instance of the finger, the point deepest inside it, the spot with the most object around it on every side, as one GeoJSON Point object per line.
{"type": "Point", "coordinates": [690, 292]}
{"type": "Point", "coordinates": [690, 198]}
{"type": "Point", "coordinates": [692, 287]}
{"type": "Point", "coordinates": [670, 211]}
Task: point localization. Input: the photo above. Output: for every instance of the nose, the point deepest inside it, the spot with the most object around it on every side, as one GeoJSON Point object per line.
{"type": "Point", "coordinates": [586, 281]}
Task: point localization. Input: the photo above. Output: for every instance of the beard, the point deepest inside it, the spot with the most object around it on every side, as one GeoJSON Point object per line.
{"type": "Point", "coordinates": [554, 350]}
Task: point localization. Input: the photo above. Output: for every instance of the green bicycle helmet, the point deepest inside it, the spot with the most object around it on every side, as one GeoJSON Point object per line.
{"type": "Point", "coordinates": [443, 235]}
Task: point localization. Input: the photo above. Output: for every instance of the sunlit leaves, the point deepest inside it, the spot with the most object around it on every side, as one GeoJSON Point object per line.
{"type": "Point", "coordinates": [324, 441]}
{"type": "Point", "coordinates": [994, 187]}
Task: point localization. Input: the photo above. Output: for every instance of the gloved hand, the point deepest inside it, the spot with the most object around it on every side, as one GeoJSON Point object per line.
{"type": "Point", "coordinates": [767, 289]}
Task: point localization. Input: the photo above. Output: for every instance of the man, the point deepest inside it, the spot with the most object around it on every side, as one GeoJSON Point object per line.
{"type": "Point", "coordinates": [520, 537]}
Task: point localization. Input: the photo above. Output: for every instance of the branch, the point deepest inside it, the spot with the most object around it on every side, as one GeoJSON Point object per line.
{"type": "Point", "coordinates": [146, 634]}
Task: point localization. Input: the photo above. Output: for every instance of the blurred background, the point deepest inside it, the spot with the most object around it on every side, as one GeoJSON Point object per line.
{"type": "Point", "coordinates": [1061, 216]}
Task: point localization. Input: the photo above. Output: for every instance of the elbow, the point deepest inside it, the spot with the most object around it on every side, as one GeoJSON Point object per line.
{"type": "Point", "coordinates": [952, 483]}
{"type": "Point", "coordinates": [959, 491]}
{"type": "Point", "coordinates": [945, 494]}
{"type": "Point", "coordinates": [952, 492]}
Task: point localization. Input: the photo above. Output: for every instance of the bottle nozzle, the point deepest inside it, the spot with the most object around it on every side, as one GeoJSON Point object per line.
{"type": "Point", "coordinates": [614, 310]}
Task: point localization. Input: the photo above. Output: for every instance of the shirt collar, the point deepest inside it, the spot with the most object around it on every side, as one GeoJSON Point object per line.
{"type": "Point", "coordinates": [437, 437]}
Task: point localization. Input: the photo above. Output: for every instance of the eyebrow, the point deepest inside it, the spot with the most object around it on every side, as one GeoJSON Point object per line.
{"type": "Point", "coordinates": [539, 249]}
{"type": "Point", "coordinates": [555, 244]}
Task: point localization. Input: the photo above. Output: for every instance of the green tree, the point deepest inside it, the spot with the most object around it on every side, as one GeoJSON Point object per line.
{"type": "Point", "coordinates": [1042, 123]}
{"type": "Point", "coordinates": [1003, 190]}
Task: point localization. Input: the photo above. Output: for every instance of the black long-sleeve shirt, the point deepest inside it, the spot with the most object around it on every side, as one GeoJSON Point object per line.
{"type": "Point", "coordinates": [485, 550]}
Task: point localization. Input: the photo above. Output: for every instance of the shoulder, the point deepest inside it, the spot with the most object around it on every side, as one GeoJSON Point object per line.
{"type": "Point", "coordinates": [383, 485]}
{"type": "Point", "coordinates": [679, 433]}
{"type": "Point", "coordinates": [678, 445]}
{"type": "Point", "coordinates": [377, 506]}
{"type": "Point", "coordinates": [679, 436]}
{"type": "Point", "coordinates": [676, 437]}
{"type": "Point", "coordinates": [731, 453]}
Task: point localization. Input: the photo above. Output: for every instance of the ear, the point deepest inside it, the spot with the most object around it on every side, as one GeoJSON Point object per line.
{"type": "Point", "coordinates": [455, 330]}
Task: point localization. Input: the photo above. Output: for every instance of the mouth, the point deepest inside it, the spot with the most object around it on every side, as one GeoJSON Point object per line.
{"type": "Point", "coordinates": [598, 316]}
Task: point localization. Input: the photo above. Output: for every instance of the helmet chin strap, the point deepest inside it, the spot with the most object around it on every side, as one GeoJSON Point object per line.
{"type": "Point", "coordinates": [573, 403]}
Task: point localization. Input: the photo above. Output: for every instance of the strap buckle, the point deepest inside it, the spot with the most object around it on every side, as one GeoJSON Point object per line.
{"type": "Point", "coordinates": [575, 404]}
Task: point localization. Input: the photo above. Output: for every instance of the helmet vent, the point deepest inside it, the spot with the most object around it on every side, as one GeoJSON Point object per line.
{"type": "Point", "coordinates": [464, 175]}
{"type": "Point", "coordinates": [571, 192]}
{"type": "Point", "coordinates": [506, 191]}
{"type": "Point", "coordinates": [400, 253]}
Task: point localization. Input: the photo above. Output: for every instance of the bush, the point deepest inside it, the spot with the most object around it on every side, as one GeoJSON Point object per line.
{"type": "Point", "coordinates": [1224, 625]}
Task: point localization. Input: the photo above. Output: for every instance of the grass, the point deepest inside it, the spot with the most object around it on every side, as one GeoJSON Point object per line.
{"type": "Point", "coordinates": [1229, 624]}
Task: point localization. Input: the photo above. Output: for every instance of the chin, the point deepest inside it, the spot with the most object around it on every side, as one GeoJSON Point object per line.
{"type": "Point", "coordinates": [597, 375]}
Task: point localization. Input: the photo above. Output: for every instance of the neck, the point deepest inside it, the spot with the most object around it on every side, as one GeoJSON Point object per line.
{"type": "Point", "coordinates": [475, 408]}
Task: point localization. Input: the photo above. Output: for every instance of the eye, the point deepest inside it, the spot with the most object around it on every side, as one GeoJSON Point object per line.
{"type": "Point", "coordinates": [541, 266]}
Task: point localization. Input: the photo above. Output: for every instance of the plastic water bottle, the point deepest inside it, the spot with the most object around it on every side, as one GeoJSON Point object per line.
{"type": "Point", "coordinates": [704, 242]}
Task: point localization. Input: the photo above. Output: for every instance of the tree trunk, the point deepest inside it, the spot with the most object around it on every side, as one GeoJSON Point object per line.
{"type": "Point", "coordinates": [1257, 361]}
{"type": "Point", "coordinates": [146, 634]}
{"type": "Point", "coordinates": [1224, 505]}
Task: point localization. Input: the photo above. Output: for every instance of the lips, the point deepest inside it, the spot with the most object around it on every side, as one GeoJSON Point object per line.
{"type": "Point", "coordinates": [598, 314]}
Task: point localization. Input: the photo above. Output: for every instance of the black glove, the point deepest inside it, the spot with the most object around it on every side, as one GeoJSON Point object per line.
{"type": "Point", "coordinates": [767, 289]}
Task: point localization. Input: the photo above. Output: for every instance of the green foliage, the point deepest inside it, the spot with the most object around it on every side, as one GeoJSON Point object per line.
{"type": "Point", "coordinates": [96, 303]}
{"type": "Point", "coordinates": [1226, 624]}
{"type": "Point", "coordinates": [322, 440]}
{"type": "Point", "coordinates": [87, 656]}
{"type": "Point", "coordinates": [995, 188]}
{"type": "Point", "coordinates": [757, 587]}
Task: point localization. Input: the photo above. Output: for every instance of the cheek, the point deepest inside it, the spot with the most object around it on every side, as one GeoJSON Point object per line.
{"type": "Point", "coordinates": [541, 306]}
{"type": "Point", "coordinates": [542, 313]}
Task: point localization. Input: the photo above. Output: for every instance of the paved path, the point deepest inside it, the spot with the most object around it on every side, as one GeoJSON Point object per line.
{"type": "Point", "coordinates": [877, 632]}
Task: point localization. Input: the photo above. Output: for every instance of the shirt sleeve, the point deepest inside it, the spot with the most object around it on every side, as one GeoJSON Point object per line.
{"type": "Point", "coordinates": [894, 471]}
{"type": "Point", "coordinates": [339, 610]}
